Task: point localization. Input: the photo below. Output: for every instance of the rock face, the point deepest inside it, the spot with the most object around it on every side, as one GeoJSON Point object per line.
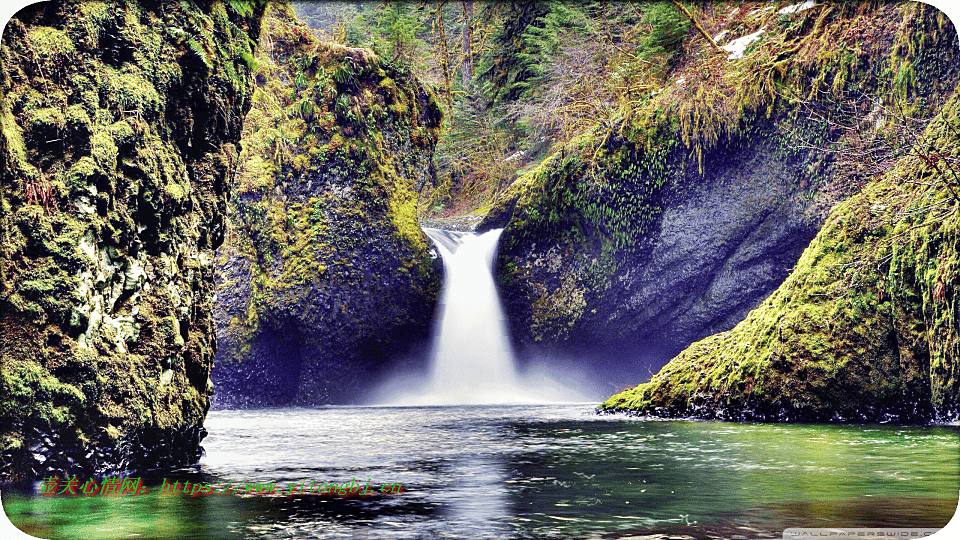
{"type": "Point", "coordinates": [864, 329]}
{"type": "Point", "coordinates": [120, 131]}
{"type": "Point", "coordinates": [326, 275]}
{"type": "Point", "coordinates": [695, 252]}
{"type": "Point", "coordinates": [672, 224]}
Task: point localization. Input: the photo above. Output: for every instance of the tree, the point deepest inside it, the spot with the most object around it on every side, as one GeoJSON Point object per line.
{"type": "Point", "coordinates": [466, 66]}
{"type": "Point", "coordinates": [693, 20]}
{"type": "Point", "coordinates": [668, 27]}
{"type": "Point", "coordinates": [392, 30]}
{"type": "Point", "coordinates": [509, 65]}
{"type": "Point", "coordinates": [443, 52]}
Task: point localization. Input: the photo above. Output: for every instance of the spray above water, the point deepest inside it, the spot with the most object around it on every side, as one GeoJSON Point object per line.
{"type": "Point", "coordinates": [472, 360]}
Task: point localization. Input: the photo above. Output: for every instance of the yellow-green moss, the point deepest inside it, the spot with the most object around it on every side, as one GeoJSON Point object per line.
{"type": "Point", "coordinates": [325, 208]}
{"type": "Point", "coordinates": [129, 91]}
{"type": "Point", "coordinates": [28, 386]}
{"type": "Point", "coordinates": [96, 107]}
{"type": "Point", "coordinates": [50, 44]}
{"type": "Point", "coordinates": [864, 328]}
{"type": "Point", "coordinates": [584, 199]}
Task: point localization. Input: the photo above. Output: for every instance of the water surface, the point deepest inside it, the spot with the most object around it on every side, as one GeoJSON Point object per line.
{"type": "Point", "coordinates": [550, 471]}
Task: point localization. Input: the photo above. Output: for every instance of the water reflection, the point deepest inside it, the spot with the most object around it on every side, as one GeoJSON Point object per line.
{"type": "Point", "coordinates": [529, 472]}
{"type": "Point", "coordinates": [477, 502]}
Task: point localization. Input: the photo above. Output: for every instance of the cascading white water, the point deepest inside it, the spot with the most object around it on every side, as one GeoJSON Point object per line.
{"type": "Point", "coordinates": [472, 361]}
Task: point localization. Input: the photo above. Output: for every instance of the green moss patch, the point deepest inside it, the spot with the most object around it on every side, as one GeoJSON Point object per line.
{"type": "Point", "coordinates": [864, 329]}
{"type": "Point", "coordinates": [117, 147]}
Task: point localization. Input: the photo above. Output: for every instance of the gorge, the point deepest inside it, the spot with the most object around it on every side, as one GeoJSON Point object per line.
{"type": "Point", "coordinates": [328, 244]}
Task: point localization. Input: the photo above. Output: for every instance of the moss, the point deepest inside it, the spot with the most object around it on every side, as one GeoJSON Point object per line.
{"type": "Point", "coordinates": [593, 202]}
{"type": "Point", "coordinates": [864, 328]}
{"type": "Point", "coordinates": [103, 150]}
{"type": "Point", "coordinates": [95, 13]}
{"type": "Point", "coordinates": [111, 170]}
{"type": "Point", "coordinates": [77, 119]}
{"type": "Point", "coordinates": [324, 215]}
{"type": "Point", "coordinates": [32, 392]}
{"type": "Point", "coordinates": [50, 44]}
{"type": "Point", "coordinates": [48, 120]}
{"type": "Point", "coordinates": [121, 132]}
{"type": "Point", "coordinates": [129, 91]}
{"type": "Point", "coordinates": [555, 312]}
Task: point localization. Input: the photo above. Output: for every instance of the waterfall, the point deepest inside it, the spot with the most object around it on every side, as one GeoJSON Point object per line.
{"type": "Point", "coordinates": [472, 361]}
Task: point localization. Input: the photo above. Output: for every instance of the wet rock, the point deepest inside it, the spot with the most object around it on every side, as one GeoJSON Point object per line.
{"type": "Point", "coordinates": [326, 277]}
{"type": "Point", "coordinates": [118, 143]}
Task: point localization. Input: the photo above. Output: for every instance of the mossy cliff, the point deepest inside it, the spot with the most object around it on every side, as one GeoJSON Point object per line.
{"type": "Point", "coordinates": [120, 125]}
{"type": "Point", "coordinates": [326, 274]}
{"type": "Point", "coordinates": [677, 218]}
{"type": "Point", "coordinates": [867, 326]}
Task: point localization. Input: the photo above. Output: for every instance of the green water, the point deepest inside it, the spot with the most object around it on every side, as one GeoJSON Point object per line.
{"type": "Point", "coordinates": [528, 472]}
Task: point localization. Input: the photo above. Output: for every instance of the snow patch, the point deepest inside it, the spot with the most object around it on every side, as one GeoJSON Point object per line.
{"type": "Point", "coordinates": [84, 205]}
{"type": "Point", "coordinates": [515, 156]}
{"type": "Point", "coordinates": [758, 10]}
{"type": "Point", "coordinates": [88, 245]}
{"type": "Point", "coordinates": [739, 45]}
{"type": "Point", "coordinates": [796, 8]}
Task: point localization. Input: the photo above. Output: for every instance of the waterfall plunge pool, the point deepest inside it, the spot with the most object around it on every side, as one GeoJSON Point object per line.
{"type": "Point", "coordinates": [527, 471]}
{"type": "Point", "coordinates": [475, 463]}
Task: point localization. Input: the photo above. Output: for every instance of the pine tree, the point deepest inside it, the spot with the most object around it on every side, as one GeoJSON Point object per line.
{"type": "Point", "coordinates": [509, 65]}
{"type": "Point", "coordinates": [392, 30]}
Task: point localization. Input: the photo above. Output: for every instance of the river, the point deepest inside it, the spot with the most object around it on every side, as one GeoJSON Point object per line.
{"type": "Point", "coordinates": [474, 462]}
{"type": "Point", "coordinates": [524, 471]}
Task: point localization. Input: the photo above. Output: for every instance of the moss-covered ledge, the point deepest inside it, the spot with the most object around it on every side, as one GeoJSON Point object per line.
{"type": "Point", "coordinates": [674, 220]}
{"type": "Point", "coordinates": [865, 328]}
{"type": "Point", "coordinates": [326, 277]}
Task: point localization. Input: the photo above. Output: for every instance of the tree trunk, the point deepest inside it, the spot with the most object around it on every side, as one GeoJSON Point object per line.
{"type": "Point", "coordinates": [697, 26]}
{"type": "Point", "coordinates": [466, 68]}
{"type": "Point", "coordinates": [444, 55]}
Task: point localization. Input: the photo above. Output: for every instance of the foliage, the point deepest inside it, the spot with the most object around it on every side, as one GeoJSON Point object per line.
{"type": "Point", "coordinates": [545, 72]}
{"type": "Point", "coordinates": [525, 45]}
{"type": "Point", "coordinates": [392, 30]}
{"type": "Point", "coordinates": [668, 29]}
{"type": "Point", "coordinates": [591, 203]}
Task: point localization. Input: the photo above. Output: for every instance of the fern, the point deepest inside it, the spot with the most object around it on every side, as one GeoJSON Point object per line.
{"type": "Point", "coordinates": [244, 8]}
{"type": "Point", "coordinates": [197, 48]}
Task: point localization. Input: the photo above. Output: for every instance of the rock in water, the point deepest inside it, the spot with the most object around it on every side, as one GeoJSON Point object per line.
{"type": "Point", "coordinates": [863, 330]}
